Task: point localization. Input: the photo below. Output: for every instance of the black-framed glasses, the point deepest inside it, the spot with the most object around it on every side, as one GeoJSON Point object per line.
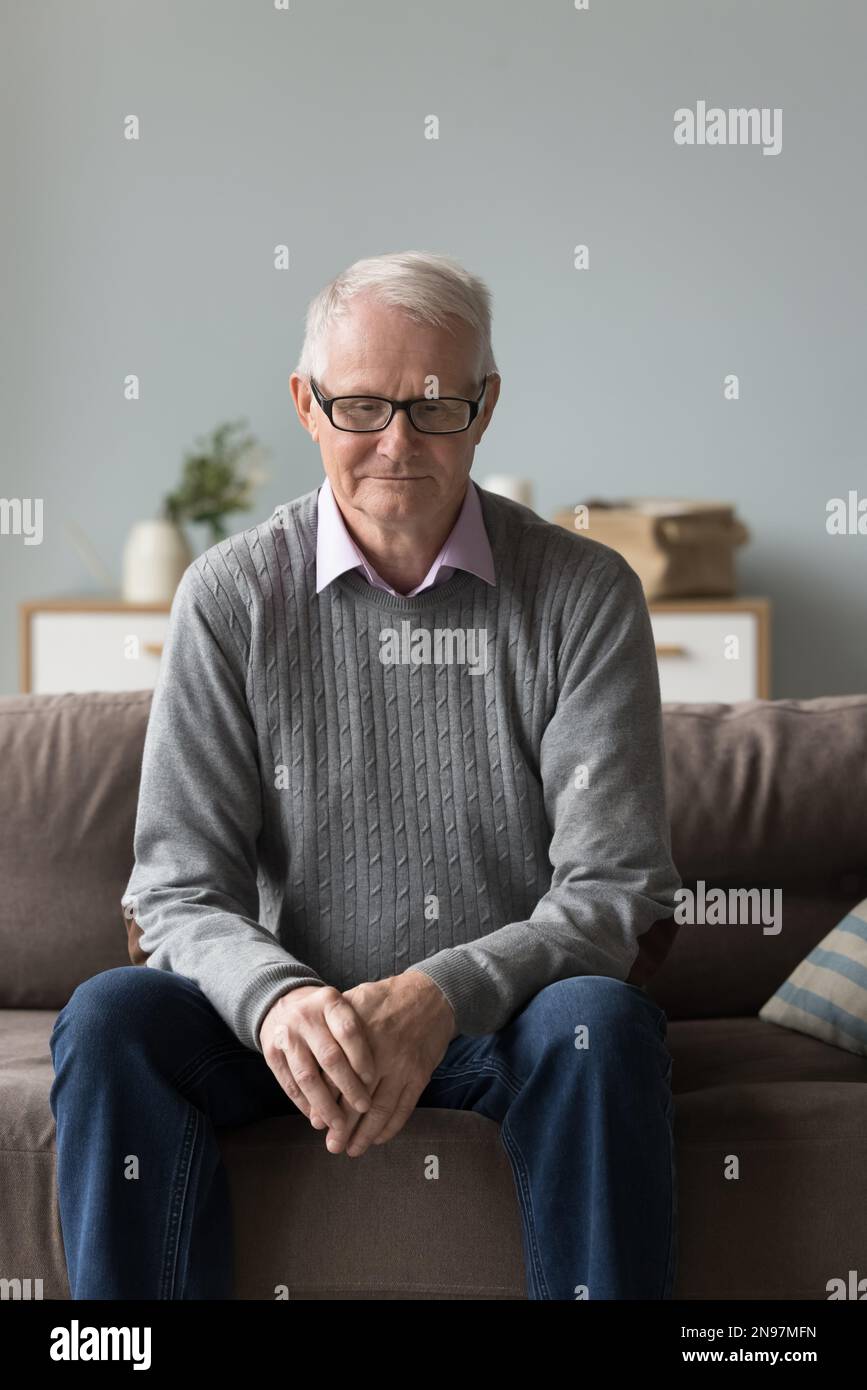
{"type": "Point", "coordinates": [435, 415]}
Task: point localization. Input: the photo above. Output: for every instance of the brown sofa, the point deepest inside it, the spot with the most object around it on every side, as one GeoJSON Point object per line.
{"type": "Point", "coordinates": [769, 793]}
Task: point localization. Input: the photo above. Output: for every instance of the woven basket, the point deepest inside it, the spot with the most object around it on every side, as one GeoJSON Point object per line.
{"type": "Point", "coordinates": [679, 549]}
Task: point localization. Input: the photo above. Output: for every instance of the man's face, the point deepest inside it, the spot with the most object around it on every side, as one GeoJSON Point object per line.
{"type": "Point", "coordinates": [396, 474]}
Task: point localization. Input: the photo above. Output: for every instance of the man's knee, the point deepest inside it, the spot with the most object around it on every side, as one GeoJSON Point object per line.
{"type": "Point", "coordinates": [120, 1003]}
{"type": "Point", "coordinates": [583, 1000]}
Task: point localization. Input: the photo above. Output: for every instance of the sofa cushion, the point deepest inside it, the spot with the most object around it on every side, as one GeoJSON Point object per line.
{"type": "Point", "coordinates": [788, 1106]}
{"type": "Point", "coordinates": [71, 766]}
{"type": "Point", "coordinates": [728, 970]}
{"type": "Point", "coordinates": [759, 792]}
{"type": "Point", "coordinates": [762, 794]}
{"type": "Point", "coordinates": [826, 994]}
{"type": "Point", "coordinates": [734, 1052]}
{"type": "Point", "coordinates": [771, 791]}
{"type": "Point", "coordinates": [326, 1228]}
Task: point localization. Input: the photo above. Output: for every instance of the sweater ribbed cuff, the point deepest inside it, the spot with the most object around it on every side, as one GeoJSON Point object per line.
{"type": "Point", "coordinates": [269, 986]}
{"type": "Point", "coordinates": [468, 988]}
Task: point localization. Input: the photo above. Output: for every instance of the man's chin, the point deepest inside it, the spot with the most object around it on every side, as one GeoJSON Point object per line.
{"type": "Point", "coordinates": [387, 495]}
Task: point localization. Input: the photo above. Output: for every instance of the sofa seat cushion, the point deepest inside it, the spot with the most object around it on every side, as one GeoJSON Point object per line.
{"type": "Point", "coordinates": [26, 1074]}
{"type": "Point", "coordinates": [325, 1228]}
{"type": "Point", "coordinates": [706, 1053]}
{"type": "Point", "coordinates": [789, 1107]}
{"type": "Point", "coordinates": [725, 1051]}
{"type": "Point", "coordinates": [771, 1145]}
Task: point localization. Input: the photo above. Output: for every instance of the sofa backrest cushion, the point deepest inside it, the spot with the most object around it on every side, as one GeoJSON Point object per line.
{"type": "Point", "coordinates": [761, 794]}
{"type": "Point", "coordinates": [766, 794]}
{"type": "Point", "coordinates": [69, 774]}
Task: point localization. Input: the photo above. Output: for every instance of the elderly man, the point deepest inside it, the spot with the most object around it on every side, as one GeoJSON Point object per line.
{"type": "Point", "coordinates": [401, 840]}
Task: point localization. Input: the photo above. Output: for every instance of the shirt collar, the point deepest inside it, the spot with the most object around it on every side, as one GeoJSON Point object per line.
{"type": "Point", "coordinates": [466, 547]}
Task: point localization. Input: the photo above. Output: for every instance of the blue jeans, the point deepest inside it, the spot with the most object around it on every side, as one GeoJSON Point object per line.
{"type": "Point", "coordinates": [579, 1082]}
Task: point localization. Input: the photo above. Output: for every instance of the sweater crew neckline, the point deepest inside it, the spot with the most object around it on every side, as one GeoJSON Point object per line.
{"type": "Point", "coordinates": [434, 597]}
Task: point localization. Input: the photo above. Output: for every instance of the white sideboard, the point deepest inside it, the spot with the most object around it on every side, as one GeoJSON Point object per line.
{"type": "Point", "coordinates": [90, 644]}
{"type": "Point", "coordinates": [707, 649]}
{"type": "Point", "coordinates": [713, 649]}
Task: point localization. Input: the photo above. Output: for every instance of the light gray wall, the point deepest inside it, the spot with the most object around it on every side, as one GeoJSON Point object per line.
{"type": "Point", "coordinates": [556, 128]}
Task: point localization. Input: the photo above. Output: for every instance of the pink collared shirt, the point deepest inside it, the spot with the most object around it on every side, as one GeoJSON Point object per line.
{"type": "Point", "coordinates": [466, 546]}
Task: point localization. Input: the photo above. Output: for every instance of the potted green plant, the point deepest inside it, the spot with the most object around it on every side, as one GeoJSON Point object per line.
{"type": "Point", "coordinates": [218, 478]}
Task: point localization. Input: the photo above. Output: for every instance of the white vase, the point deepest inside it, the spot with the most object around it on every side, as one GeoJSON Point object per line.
{"type": "Point", "coordinates": [507, 485]}
{"type": "Point", "coordinates": [154, 558]}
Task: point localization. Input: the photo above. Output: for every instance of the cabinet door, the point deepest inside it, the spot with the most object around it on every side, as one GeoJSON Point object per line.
{"type": "Point", "coordinates": [699, 665]}
{"type": "Point", "coordinates": [94, 651]}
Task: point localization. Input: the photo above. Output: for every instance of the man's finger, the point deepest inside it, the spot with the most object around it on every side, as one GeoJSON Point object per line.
{"type": "Point", "coordinates": [403, 1110]}
{"type": "Point", "coordinates": [336, 1140]}
{"type": "Point", "coordinates": [317, 1051]}
{"type": "Point", "coordinates": [385, 1100]}
{"type": "Point", "coordinates": [309, 1080]}
{"type": "Point", "coordinates": [340, 1030]}
{"type": "Point", "coordinates": [348, 1028]}
{"type": "Point", "coordinates": [317, 1120]}
{"type": "Point", "coordinates": [283, 1072]}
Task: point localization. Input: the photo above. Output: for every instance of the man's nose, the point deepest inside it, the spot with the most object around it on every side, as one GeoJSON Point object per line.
{"type": "Point", "coordinates": [401, 434]}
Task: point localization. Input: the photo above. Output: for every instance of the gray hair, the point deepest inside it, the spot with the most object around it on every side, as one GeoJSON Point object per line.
{"type": "Point", "coordinates": [427, 286]}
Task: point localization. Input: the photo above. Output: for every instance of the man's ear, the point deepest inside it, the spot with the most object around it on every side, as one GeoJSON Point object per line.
{"type": "Point", "coordinates": [305, 405]}
{"type": "Point", "coordinates": [491, 396]}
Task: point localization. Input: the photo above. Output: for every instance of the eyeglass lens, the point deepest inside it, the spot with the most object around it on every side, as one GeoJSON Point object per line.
{"type": "Point", "coordinates": [361, 413]}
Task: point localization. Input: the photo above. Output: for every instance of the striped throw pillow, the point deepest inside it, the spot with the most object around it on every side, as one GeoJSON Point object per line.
{"type": "Point", "coordinates": [826, 995]}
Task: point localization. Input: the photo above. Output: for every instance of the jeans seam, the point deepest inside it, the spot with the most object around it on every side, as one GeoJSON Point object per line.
{"type": "Point", "coordinates": [519, 1169]}
{"type": "Point", "coordinates": [179, 1197]}
{"type": "Point", "coordinates": [455, 1075]}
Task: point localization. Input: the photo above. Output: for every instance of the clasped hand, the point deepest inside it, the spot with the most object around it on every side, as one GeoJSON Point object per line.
{"type": "Point", "coordinates": [355, 1062]}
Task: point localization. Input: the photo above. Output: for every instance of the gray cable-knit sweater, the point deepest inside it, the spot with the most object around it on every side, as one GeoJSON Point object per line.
{"type": "Point", "coordinates": [336, 787]}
